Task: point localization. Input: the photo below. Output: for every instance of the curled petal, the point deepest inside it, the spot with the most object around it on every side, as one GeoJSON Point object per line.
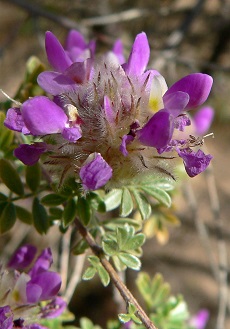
{"type": "Point", "coordinates": [196, 85]}
{"type": "Point", "coordinates": [42, 116]}
{"type": "Point", "coordinates": [194, 162]}
{"type": "Point", "coordinates": [54, 308]}
{"type": "Point", "coordinates": [42, 263]}
{"type": "Point", "coordinates": [23, 257]}
{"type": "Point", "coordinates": [30, 154]}
{"type": "Point", "coordinates": [139, 56]}
{"type": "Point", "coordinates": [56, 54]}
{"type": "Point", "coordinates": [95, 173]}
{"type": "Point", "coordinates": [158, 130]}
{"type": "Point", "coordinates": [203, 120]}
{"type": "Point", "coordinates": [14, 121]}
{"type": "Point", "coordinates": [72, 134]}
{"type": "Point", "coordinates": [55, 83]}
{"type": "Point", "coordinates": [43, 286]}
{"type": "Point", "coordinates": [176, 102]}
{"type": "Point", "coordinates": [126, 139]}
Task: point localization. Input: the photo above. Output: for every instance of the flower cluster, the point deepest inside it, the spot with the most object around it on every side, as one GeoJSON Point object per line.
{"type": "Point", "coordinates": [109, 119]}
{"type": "Point", "coordinates": [23, 287]}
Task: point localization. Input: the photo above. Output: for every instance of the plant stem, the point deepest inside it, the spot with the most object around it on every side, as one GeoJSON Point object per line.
{"type": "Point", "coordinates": [124, 291]}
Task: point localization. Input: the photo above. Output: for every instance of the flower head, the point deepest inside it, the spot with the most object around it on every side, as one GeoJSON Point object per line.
{"type": "Point", "coordinates": [25, 283]}
{"type": "Point", "coordinates": [109, 119]}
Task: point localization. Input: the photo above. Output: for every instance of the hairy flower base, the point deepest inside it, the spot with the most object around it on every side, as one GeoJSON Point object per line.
{"type": "Point", "coordinates": [109, 119]}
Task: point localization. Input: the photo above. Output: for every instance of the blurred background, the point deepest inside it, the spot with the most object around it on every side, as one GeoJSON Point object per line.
{"type": "Point", "coordinates": [185, 36]}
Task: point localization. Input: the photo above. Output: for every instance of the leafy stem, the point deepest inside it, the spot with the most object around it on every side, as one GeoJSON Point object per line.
{"type": "Point", "coordinates": [124, 291]}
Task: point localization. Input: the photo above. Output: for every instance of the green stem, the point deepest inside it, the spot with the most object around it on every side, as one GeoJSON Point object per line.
{"type": "Point", "coordinates": [124, 291]}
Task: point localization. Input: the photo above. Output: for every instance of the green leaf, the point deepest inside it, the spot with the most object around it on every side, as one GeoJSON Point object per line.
{"type": "Point", "coordinates": [3, 197]}
{"type": "Point", "coordinates": [113, 223]}
{"type": "Point", "coordinates": [134, 242]}
{"type": "Point", "coordinates": [33, 176]}
{"type": "Point", "coordinates": [104, 275]}
{"type": "Point", "coordinates": [8, 217]}
{"type": "Point", "coordinates": [10, 177]}
{"type": "Point", "coordinates": [6, 135]}
{"type": "Point", "coordinates": [124, 317]}
{"type": "Point", "coordinates": [123, 234]}
{"type": "Point", "coordinates": [80, 247]}
{"type": "Point", "coordinates": [56, 212]}
{"type": "Point", "coordinates": [89, 273]}
{"type": "Point", "coordinates": [24, 215]}
{"type": "Point", "coordinates": [110, 247]}
{"type": "Point", "coordinates": [40, 217]}
{"type": "Point", "coordinates": [160, 195]}
{"type": "Point", "coordinates": [113, 199]}
{"type": "Point", "coordinates": [53, 199]}
{"type": "Point", "coordinates": [69, 212]}
{"type": "Point", "coordinates": [164, 184]}
{"type": "Point", "coordinates": [142, 204]}
{"type": "Point", "coordinates": [83, 210]}
{"type": "Point", "coordinates": [94, 260]}
{"type": "Point", "coordinates": [131, 309]}
{"type": "Point", "coordinates": [126, 203]}
{"type": "Point", "coordinates": [120, 266]}
{"type": "Point", "coordinates": [130, 261]}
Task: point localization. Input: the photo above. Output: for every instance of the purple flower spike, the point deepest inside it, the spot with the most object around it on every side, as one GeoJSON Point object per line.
{"type": "Point", "coordinates": [42, 116]}
{"type": "Point", "coordinates": [30, 154]}
{"type": "Point", "coordinates": [95, 173]}
{"type": "Point", "coordinates": [158, 130]}
{"type": "Point", "coordinates": [194, 162]}
{"type": "Point", "coordinates": [203, 120]}
{"type": "Point", "coordinates": [196, 85]}
{"type": "Point", "coordinates": [43, 286]}
{"type": "Point", "coordinates": [139, 56]}
{"type": "Point", "coordinates": [56, 54]}
{"type": "Point", "coordinates": [23, 257]}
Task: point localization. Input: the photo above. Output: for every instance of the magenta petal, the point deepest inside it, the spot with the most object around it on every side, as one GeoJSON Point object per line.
{"type": "Point", "coordinates": [6, 317]}
{"type": "Point", "coordinates": [42, 116]}
{"type": "Point", "coordinates": [118, 51]}
{"type": "Point", "coordinates": [30, 154]}
{"type": "Point", "coordinates": [126, 139]}
{"type": "Point", "coordinates": [95, 173]}
{"type": "Point", "coordinates": [72, 134]}
{"type": "Point", "coordinates": [194, 162]}
{"type": "Point", "coordinates": [203, 120]}
{"type": "Point", "coordinates": [55, 83]}
{"type": "Point", "coordinates": [55, 53]}
{"type": "Point", "coordinates": [53, 309]}
{"type": "Point", "coordinates": [22, 257]}
{"type": "Point", "coordinates": [49, 284]}
{"type": "Point", "coordinates": [75, 39]}
{"type": "Point", "coordinates": [196, 85]}
{"type": "Point", "coordinates": [14, 120]}
{"type": "Point", "coordinates": [158, 130]}
{"type": "Point", "coordinates": [139, 56]}
{"type": "Point", "coordinates": [175, 102]}
{"type": "Point", "coordinates": [43, 262]}
{"type": "Point", "coordinates": [33, 292]}
{"type": "Point", "coordinates": [79, 72]}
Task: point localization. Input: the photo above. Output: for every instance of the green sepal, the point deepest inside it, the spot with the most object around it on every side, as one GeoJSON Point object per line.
{"type": "Point", "coordinates": [10, 177]}
{"type": "Point", "coordinates": [8, 217]}
{"type": "Point", "coordinates": [24, 215]}
{"type": "Point", "coordinates": [40, 218]}
{"type": "Point", "coordinates": [33, 176]}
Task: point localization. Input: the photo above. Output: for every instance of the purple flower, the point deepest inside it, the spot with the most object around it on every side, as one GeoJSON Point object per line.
{"type": "Point", "coordinates": [6, 318]}
{"type": "Point", "coordinates": [199, 321]}
{"type": "Point", "coordinates": [203, 120]}
{"type": "Point", "coordinates": [107, 114]}
{"type": "Point", "coordinates": [194, 162]}
{"type": "Point", "coordinates": [23, 257]}
{"type": "Point", "coordinates": [95, 173]}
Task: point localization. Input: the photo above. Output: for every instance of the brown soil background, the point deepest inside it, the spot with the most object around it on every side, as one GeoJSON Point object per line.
{"type": "Point", "coordinates": [205, 47]}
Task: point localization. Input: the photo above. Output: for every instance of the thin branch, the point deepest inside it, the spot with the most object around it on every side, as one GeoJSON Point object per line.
{"type": "Point", "coordinates": [124, 291]}
{"type": "Point", "coordinates": [64, 260]}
